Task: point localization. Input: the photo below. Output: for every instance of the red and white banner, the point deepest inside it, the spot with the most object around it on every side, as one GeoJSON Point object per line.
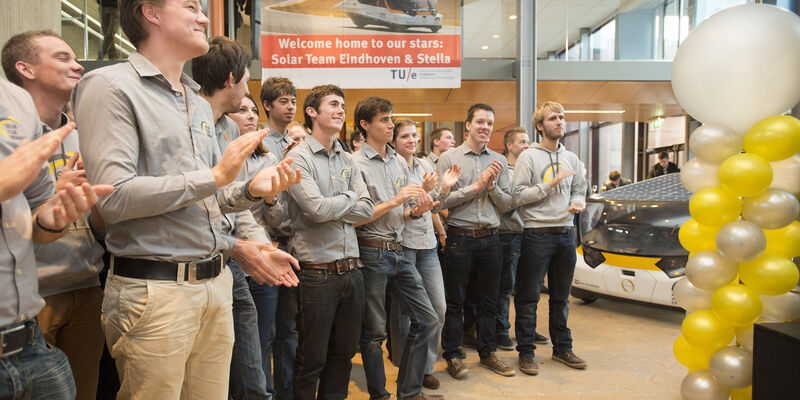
{"type": "Point", "coordinates": [365, 56]}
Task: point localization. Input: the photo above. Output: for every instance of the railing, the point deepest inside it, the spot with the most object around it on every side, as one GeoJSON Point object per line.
{"type": "Point", "coordinates": [91, 26]}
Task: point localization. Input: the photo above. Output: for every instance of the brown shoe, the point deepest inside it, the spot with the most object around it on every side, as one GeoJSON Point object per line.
{"type": "Point", "coordinates": [423, 396]}
{"type": "Point", "coordinates": [570, 359]}
{"type": "Point", "coordinates": [528, 365]}
{"type": "Point", "coordinates": [497, 365]}
{"type": "Point", "coordinates": [456, 368]}
{"type": "Point", "coordinates": [430, 382]}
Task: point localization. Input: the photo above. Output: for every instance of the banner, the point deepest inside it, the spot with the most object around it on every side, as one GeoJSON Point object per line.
{"type": "Point", "coordinates": [363, 44]}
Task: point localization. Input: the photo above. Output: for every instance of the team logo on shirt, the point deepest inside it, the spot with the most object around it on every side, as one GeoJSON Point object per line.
{"type": "Point", "coordinates": [8, 127]}
{"type": "Point", "coordinates": [346, 174]}
{"type": "Point", "coordinates": [400, 182]}
{"type": "Point", "coordinates": [205, 127]}
{"type": "Point", "coordinates": [552, 171]}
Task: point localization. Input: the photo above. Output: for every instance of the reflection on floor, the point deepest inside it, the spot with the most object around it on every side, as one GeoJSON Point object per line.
{"type": "Point", "coordinates": [628, 348]}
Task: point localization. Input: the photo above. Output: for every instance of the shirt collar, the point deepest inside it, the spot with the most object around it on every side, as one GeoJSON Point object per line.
{"type": "Point", "coordinates": [372, 153]}
{"type": "Point", "coordinates": [145, 68]}
{"type": "Point", "coordinates": [277, 135]}
{"type": "Point", "coordinates": [316, 146]}
{"type": "Point", "coordinates": [63, 121]}
{"type": "Point", "coordinates": [465, 149]}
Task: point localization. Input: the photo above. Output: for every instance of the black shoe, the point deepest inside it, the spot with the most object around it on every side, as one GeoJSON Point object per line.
{"type": "Point", "coordinates": [470, 337]}
{"type": "Point", "coordinates": [504, 343]}
{"type": "Point", "coordinates": [570, 359]}
{"type": "Point", "coordinates": [430, 382]}
{"type": "Point", "coordinates": [540, 339]}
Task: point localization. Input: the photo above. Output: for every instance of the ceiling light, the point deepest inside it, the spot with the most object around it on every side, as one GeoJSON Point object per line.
{"type": "Point", "coordinates": [594, 111]}
{"type": "Point", "coordinates": [496, 36]}
{"type": "Point", "coordinates": [412, 114]}
{"type": "Point", "coordinates": [512, 17]}
{"type": "Point", "coordinates": [484, 47]}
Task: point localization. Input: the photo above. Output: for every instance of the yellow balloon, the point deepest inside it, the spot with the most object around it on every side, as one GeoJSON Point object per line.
{"type": "Point", "coordinates": [736, 304]}
{"type": "Point", "coordinates": [774, 138]}
{"type": "Point", "coordinates": [784, 241]}
{"type": "Point", "coordinates": [714, 206]}
{"type": "Point", "coordinates": [745, 174]}
{"type": "Point", "coordinates": [742, 394]}
{"type": "Point", "coordinates": [690, 356]}
{"type": "Point", "coordinates": [769, 274]}
{"type": "Point", "coordinates": [695, 237]}
{"type": "Point", "coordinates": [704, 330]}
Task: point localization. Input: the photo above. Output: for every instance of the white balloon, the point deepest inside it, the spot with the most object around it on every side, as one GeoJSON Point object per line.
{"type": "Point", "coordinates": [772, 209]}
{"type": "Point", "coordinates": [786, 174]}
{"type": "Point", "coordinates": [718, 72]}
{"type": "Point", "coordinates": [690, 297]}
{"type": "Point", "coordinates": [732, 367]}
{"type": "Point", "coordinates": [744, 336]}
{"type": "Point", "coordinates": [709, 270]}
{"type": "Point", "coordinates": [701, 385]}
{"type": "Point", "coordinates": [741, 241]}
{"type": "Point", "coordinates": [714, 143]}
{"type": "Point", "coordinates": [697, 175]}
{"type": "Point", "coordinates": [784, 307]}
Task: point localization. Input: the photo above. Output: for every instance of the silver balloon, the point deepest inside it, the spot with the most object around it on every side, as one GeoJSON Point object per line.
{"type": "Point", "coordinates": [786, 174]}
{"type": "Point", "coordinates": [784, 307]}
{"type": "Point", "coordinates": [709, 270]}
{"type": "Point", "coordinates": [741, 241]}
{"type": "Point", "coordinates": [697, 175]}
{"type": "Point", "coordinates": [714, 143]}
{"type": "Point", "coordinates": [772, 209]}
{"type": "Point", "coordinates": [690, 297]}
{"type": "Point", "coordinates": [732, 367]}
{"type": "Point", "coordinates": [700, 385]}
{"type": "Point", "coordinates": [744, 336]}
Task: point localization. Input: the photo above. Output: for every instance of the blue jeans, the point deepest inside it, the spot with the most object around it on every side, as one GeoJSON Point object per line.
{"type": "Point", "coordinates": [511, 243]}
{"type": "Point", "coordinates": [388, 269]}
{"type": "Point", "coordinates": [277, 310]}
{"type": "Point", "coordinates": [265, 298]}
{"type": "Point", "coordinates": [247, 379]}
{"type": "Point", "coordinates": [329, 312]}
{"type": "Point", "coordinates": [552, 254]}
{"type": "Point", "coordinates": [39, 371]}
{"type": "Point", "coordinates": [465, 255]}
{"type": "Point", "coordinates": [427, 263]}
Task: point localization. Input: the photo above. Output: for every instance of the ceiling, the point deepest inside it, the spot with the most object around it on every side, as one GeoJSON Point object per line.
{"type": "Point", "coordinates": [640, 100]}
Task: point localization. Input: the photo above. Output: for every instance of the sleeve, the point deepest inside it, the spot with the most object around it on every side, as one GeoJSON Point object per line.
{"type": "Point", "coordinates": [109, 145]}
{"type": "Point", "coordinates": [578, 187]}
{"type": "Point", "coordinates": [458, 195]}
{"type": "Point", "coordinates": [311, 201]}
{"type": "Point", "coordinates": [42, 188]}
{"type": "Point", "coordinates": [527, 189]}
{"type": "Point", "coordinates": [234, 197]}
{"type": "Point", "coordinates": [501, 195]}
{"type": "Point", "coordinates": [247, 228]}
{"type": "Point", "coordinates": [364, 206]}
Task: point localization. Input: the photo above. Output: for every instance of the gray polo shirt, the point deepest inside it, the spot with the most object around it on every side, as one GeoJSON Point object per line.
{"type": "Point", "coordinates": [137, 135]}
{"type": "Point", "coordinates": [467, 209]}
{"type": "Point", "coordinates": [433, 158]}
{"type": "Point", "coordinates": [275, 143]}
{"type": "Point", "coordinates": [384, 178]}
{"type": "Point", "coordinates": [323, 207]}
{"type": "Point", "coordinates": [510, 221]}
{"type": "Point", "coordinates": [240, 224]}
{"type": "Point", "coordinates": [73, 261]}
{"type": "Point", "coordinates": [419, 233]}
{"type": "Point", "coordinates": [19, 291]}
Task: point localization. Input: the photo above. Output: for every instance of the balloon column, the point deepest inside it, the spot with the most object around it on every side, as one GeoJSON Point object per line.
{"type": "Point", "coordinates": [744, 230]}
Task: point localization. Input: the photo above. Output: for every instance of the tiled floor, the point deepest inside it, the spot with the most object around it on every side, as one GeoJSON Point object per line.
{"type": "Point", "coordinates": [628, 348]}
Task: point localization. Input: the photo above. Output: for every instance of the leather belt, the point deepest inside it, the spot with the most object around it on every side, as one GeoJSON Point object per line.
{"type": "Point", "coordinates": [550, 229]}
{"type": "Point", "coordinates": [337, 267]}
{"type": "Point", "coordinates": [391, 246]}
{"type": "Point", "coordinates": [192, 272]}
{"type": "Point", "coordinates": [14, 338]}
{"type": "Point", "coordinates": [474, 233]}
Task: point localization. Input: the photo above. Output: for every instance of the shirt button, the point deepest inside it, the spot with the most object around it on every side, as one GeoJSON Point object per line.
{"type": "Point", "coordinates": [22, 317]}
{"type": "Point", "coordinates": [19, 271]}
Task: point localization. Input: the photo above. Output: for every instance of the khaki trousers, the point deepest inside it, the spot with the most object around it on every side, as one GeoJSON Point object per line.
{"type": "Point", "coordinates": [170, 340]}
{"type": "Point", "coordinates": [71, 322]}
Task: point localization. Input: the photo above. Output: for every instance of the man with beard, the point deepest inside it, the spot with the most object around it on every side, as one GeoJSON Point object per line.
{"type": "Point", "coordinates": [549, 190]}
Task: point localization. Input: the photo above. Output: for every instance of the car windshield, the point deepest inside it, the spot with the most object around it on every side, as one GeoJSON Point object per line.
{"type": "Point", "coordinates": [413, 5]}
{"type": "Point", "coordinates": [631, 227]}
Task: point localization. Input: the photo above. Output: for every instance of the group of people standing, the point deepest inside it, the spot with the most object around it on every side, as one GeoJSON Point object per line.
{"type": "Point", "coordinates": [207, 218]}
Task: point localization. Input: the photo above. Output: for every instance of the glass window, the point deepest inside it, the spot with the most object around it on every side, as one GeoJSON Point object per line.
{"type": "Point", "coordinates": [603, 42]}
{"type": "Point", "coordinates": [667, 132]}
{"type": "Point", "coordinates": [610, 151]}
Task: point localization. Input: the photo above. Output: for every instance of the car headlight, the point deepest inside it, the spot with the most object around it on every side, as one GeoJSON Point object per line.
{"type": "Point", "coordinates": [674, 267]}
{"type": "Point", "coordinates": [592, 257]}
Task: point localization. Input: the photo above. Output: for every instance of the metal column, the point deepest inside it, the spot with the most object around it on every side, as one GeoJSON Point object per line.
{"type": "Point", "coordinates": [526, 54]}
